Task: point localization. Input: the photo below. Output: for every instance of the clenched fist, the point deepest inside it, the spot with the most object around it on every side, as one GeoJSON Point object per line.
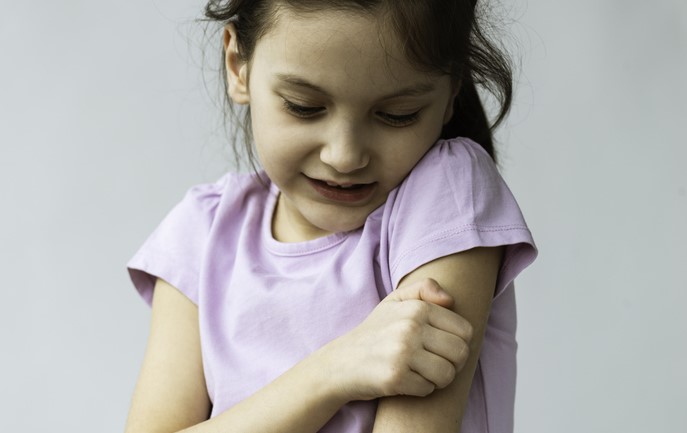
{"type": "Point", "coordinates": [410, 344]}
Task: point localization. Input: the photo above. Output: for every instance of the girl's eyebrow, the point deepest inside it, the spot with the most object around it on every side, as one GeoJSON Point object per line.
{"type": "Point", "coordinates": [300, 82]}
{"type": "Point", "coordinates": [412, 90]}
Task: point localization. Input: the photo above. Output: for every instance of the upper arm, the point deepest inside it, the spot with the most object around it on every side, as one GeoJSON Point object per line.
{"type": "Point", "coordinates": [171, 393]}
{"type": "Point", "coordinates": [470, 277]}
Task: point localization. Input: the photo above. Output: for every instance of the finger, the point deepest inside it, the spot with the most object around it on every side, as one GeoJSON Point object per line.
{"type": "Point", "coordinates": [449, 346]}
{"type": "Point", "coordinates": [447, 320]}
{"type": "Point", "coordinates": [416, 385]}
{"type": "Point", "coordinates": [426, 290]}
{"type": "Point", "coordinates": [433, 368]}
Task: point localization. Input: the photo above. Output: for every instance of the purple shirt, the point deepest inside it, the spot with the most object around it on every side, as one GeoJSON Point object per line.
{"type": "Point", "coordinates": [264, 305]}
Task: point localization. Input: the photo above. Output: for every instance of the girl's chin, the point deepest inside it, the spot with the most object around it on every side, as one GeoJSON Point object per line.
{"type": "Point", "coordinates": [317, 219]}
{"type": "Point", "coordinates": [329, 228]}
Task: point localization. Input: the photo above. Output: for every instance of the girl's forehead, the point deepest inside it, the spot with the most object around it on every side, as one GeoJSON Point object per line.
{"type": "Point", "coordinates": [323, 29]}
{"type": "Point", "coordinates": [335, 46]}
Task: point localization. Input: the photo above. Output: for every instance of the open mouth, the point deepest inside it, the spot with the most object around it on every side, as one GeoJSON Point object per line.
{"type": "Point", "coordinates": [347, 186]}
{"type": "Point", "coordinates": [349, 192]}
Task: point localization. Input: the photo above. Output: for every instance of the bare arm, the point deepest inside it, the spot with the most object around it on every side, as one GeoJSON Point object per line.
{"type": "Point", "coordinates": [371, 361]}
{"type": "Point", "coordinates": [470, 277]}
{"type": "Point", "coordinates": [171, 393]}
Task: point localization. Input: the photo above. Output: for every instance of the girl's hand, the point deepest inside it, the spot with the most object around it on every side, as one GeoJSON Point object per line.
{"type": "Point", "coordinates": [411, 344]}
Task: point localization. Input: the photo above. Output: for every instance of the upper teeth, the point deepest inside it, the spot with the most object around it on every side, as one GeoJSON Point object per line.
{"type": "Point", "coordinates": [339, 186]}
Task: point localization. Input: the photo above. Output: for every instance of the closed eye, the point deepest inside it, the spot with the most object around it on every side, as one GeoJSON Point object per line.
{"type": "Point", "coordinates": [398, 120]}
{"type": "Point", "coordinates": [302, 111]}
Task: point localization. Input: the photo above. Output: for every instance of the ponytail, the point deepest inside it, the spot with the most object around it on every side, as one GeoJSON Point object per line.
{"type": "Point", "coordinates": [469, 118]}
{"type": "Point", "coordinates": [485, 65]}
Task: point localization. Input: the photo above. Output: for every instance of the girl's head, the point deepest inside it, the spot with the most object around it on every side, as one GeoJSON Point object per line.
{"type": "Point", "coordinates": [439, 35]}
{"type": "Point", "coordinates": [346, 97]}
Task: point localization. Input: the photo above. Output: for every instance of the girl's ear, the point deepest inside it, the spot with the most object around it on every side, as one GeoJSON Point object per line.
{"type": "Point", "coordinates": [237, 69]}
{"type": "Point", "coordinates": [448, 114]}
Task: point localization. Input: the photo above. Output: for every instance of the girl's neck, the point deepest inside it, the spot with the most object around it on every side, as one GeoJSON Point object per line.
{"type": "Point", "coordinates": [287, 228]}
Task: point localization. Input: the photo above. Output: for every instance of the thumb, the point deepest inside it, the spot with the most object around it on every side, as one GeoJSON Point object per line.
{"type": "Point", "coordinates": [426, 290]}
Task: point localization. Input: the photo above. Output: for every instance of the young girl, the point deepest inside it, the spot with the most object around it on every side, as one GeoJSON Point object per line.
{"type": "Point", "coordinates": [362, 280]}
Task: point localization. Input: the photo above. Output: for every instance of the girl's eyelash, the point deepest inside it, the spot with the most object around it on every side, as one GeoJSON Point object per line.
{"type": "Point", "coordinates": [306, 112]}
{"type": "Point", "coordinates": [399, 120]}
{"type": "Point", "coordinates": [301, 111]}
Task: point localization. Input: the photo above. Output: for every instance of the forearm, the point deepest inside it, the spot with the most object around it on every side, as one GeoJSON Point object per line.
{"type": "Point", "coordinates": [301, 400]}
{"type": "Point", "coordinates": [171, 394]}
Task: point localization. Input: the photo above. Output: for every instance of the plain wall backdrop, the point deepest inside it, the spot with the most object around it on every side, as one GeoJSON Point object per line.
{"type": "Point", "coordinates": [105, 122]}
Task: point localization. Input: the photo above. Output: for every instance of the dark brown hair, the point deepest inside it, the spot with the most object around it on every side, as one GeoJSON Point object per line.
{"type": "Point", "coordinates": [438, 35]}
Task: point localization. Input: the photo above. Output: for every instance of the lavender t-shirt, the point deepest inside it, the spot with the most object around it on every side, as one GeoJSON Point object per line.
{"type": "Point", "coordinates": [264, 305]}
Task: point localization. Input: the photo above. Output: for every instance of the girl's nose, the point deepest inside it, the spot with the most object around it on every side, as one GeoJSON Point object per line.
{"type": "Point", "coordinates": [345, 151]}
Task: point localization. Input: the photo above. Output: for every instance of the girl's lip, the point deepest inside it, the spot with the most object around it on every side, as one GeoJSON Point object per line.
{"type": "Point", "coordinates": [335, 192]}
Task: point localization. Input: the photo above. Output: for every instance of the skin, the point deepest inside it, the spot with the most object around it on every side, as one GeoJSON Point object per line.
{"type": "Point", "coordinates": [418, 349]}
{"type": "Point", "coordinates": [363, 115]}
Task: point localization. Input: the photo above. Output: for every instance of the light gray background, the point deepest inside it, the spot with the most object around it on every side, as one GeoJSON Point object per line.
{"type": "Point", "coordinates": [104, 123]}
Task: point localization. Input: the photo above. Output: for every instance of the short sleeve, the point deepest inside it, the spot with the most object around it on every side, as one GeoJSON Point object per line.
{"type": "Point", "coordinates": [174, 251]}
{"type": "Point", "coordinates": [452, 201]}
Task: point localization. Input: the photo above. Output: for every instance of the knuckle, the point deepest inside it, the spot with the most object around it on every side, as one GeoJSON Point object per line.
{"type": "Point", "coordinates": [417, 310]}
{"type": "Point", "coordinates": [469, 332]}
{"type": "Point", "coordinates": [462, 355]}
{"type": "Point", "coordinates": [459, 350]}
{"type": "Point", "coordinates": [409, 331]}
{"type": "Point", "coordinates": [400, 351]}
{"type": "Point", "coordinates": [430, 283]}
{"type": "Point", "coordinates": [405, 328]}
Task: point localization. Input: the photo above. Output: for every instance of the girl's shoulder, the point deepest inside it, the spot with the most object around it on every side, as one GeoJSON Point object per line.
{"type": "Point", "coordinates": [231, 193]}
{"type": "Point", "coordinates": [460, 157]}
{"type": "Point", "coordinates": [459, 172]}
{"type": "Point", "coordinates": [204, 203]}
{"type": "Point", "coordinates": [176, 247]}
{"type": "Point", "coordinates": [453, 200]}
